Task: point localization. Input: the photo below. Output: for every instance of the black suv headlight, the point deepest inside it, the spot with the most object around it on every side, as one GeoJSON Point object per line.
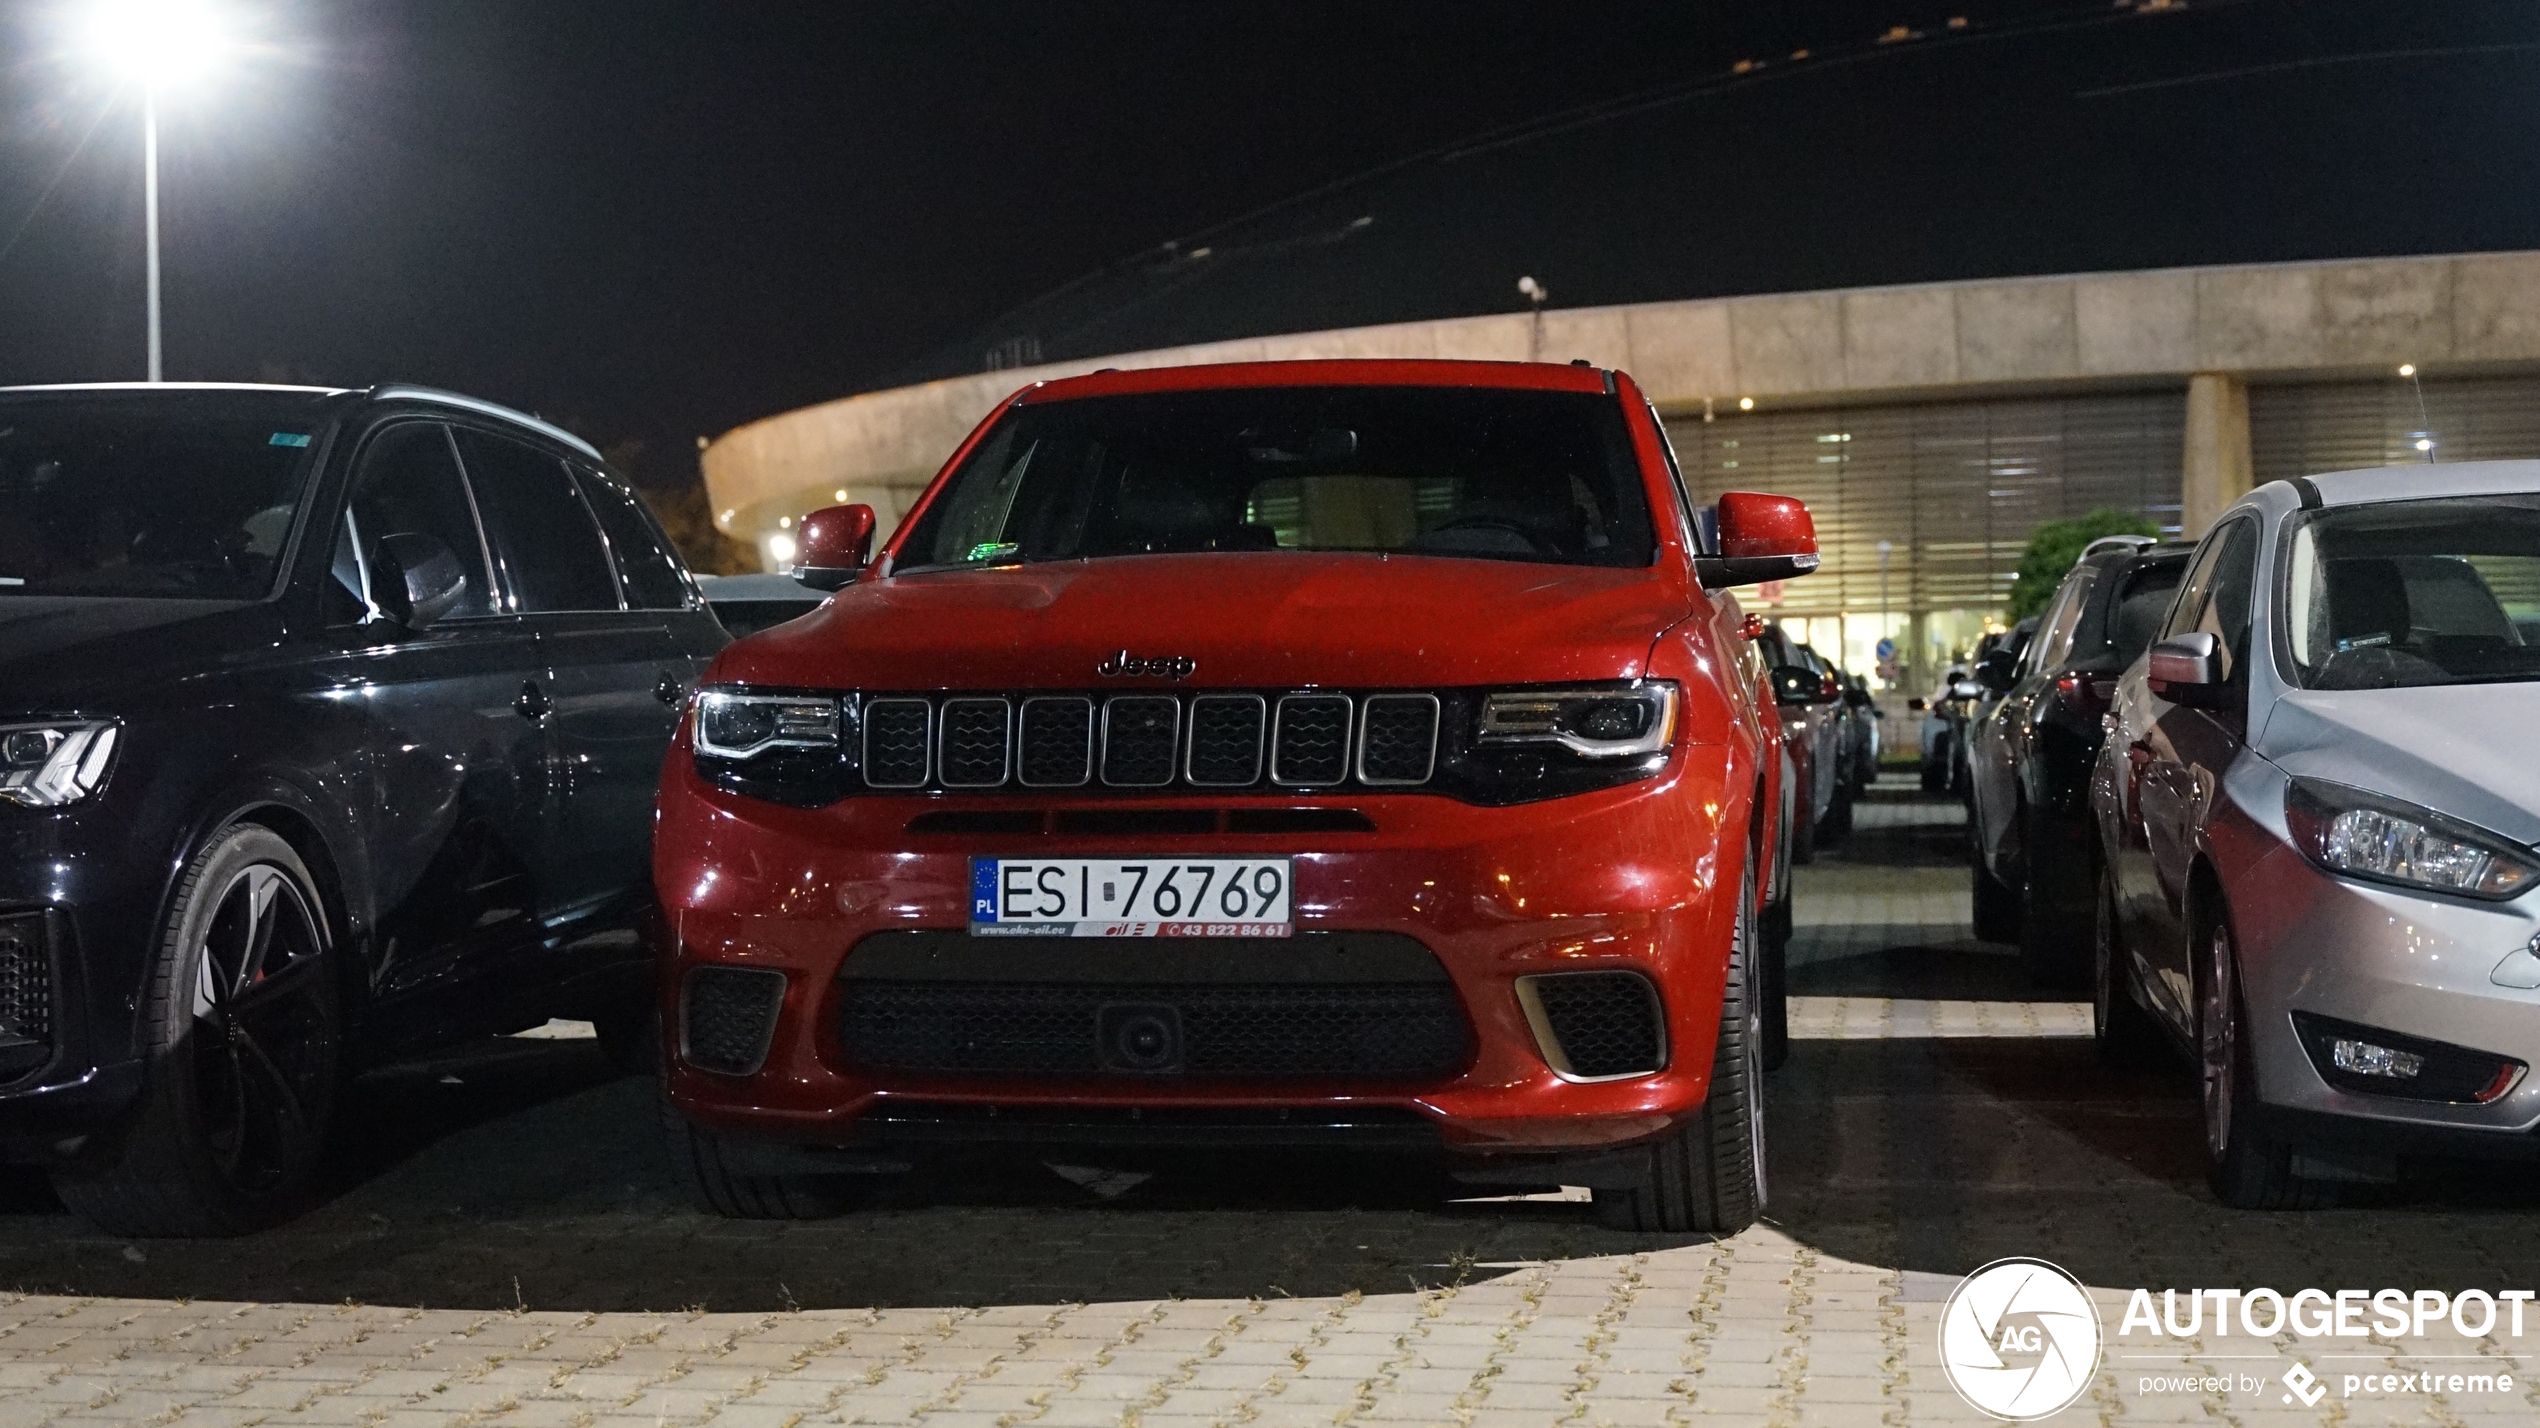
{"type": "Point", "coordinates": [2379, 839]}
{"type": "Point", "coordinates": [46, 763]}
{"type": "Point", "coordinates": [786, 746]}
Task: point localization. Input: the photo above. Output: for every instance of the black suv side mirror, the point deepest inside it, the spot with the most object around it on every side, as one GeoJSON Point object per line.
{"type": "Point", "coordinates": [1999, 671]}
{"type": "Point", "coordinates": [1798, 684]}
{"type": "Point", "coordinates": [415, 578]}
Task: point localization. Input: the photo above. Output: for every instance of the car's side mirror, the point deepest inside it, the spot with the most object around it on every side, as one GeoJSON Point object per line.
{"type": "Point", "coordinates": [1798, 684]}
{"type": "Point", "coordinates": [1999, 671]}
{"type": "Point", "coordinates": [415, 578]}
{"type": "Point", "coordinates": [837, 542]}
{"type": "Point", "coordinates": [2187, 669]}
{"type": "Point", "coordinates": [1761, 538]}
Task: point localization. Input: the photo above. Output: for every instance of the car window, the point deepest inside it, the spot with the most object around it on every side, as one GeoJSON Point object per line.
{"type": "Point", "coordinates": [646, 571]}
{"type": "Point", "coordinates": [406, 482]}
{"type": "Point", "coordinates": [2143, 595]}
{"type": "Point", "coordinates": [2054, 644]}
{"type": "Point", "coordinates": [1473, 473]}
{"type": "Point", "coordinates": [2191, 598]}
{"type": "Point", "coordinates": [158, 496]}
{"type": "Point", "coordinates": [549, 551]}
{"type": "Point", "coordinates": [2227, 598]}
{"type": "Point", "coordinates": [1676, 478]}
{"type": "Point", "coordinates": [2404, 593]}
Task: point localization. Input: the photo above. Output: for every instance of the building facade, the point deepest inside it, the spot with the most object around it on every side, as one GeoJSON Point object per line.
{"type": "Point", "coordinates": [1931, 428]}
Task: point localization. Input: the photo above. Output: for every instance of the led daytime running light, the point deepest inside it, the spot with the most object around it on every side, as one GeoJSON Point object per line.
{"type": "Point", "coordinates": [49, 765]}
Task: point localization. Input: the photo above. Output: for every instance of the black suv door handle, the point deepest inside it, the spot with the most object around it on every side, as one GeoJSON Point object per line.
{"type": "Point", "coordinates": [669, 690]}
{"type": "Point", "coordinates": [533, 702]}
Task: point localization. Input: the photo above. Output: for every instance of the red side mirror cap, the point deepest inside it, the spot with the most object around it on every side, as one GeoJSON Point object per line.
{"type": "Point", "coordinates": [837, 542]}
{"type": "Point", "coordinates": [1761, 538]}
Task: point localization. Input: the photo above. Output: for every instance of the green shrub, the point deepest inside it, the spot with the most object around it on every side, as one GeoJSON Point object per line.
{"type": "Point", "coordinates": [2054, 546]}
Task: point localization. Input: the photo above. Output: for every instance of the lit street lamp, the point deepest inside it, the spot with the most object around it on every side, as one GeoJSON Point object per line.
{"type": "Point", "coordinates": [159, 45]}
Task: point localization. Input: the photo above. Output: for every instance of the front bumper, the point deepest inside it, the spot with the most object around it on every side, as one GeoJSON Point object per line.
{"type": "Point", "coordinates": [89, 909]}
{"type": "Point", "coordinates": [1629, 878]}
{"type": "Point", "coordinates": [2383, 958]}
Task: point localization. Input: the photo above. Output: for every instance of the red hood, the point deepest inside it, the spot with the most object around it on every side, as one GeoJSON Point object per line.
{"type": "Point", "coordinates": [1246, 620]}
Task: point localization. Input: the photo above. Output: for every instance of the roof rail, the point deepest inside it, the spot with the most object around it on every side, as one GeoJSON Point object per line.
{"type": "Point", "coordinates": [406, 391]}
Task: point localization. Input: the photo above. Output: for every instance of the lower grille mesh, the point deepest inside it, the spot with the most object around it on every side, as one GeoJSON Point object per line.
{"type": "Point", "coordinates": [727, 1015]}
{"type": "Point", "coordinates": [26, 992]}
{"type": "Point", "coordinates": [1601, 1023]}
{"type": "Point", "coordinates": [1235, 1031]}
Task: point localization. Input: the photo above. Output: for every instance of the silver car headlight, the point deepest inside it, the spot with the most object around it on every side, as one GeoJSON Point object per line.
{"type": "Point", "coordinates": [2379, 839]}
{"type": "Point", "coordinates": [45, 764]}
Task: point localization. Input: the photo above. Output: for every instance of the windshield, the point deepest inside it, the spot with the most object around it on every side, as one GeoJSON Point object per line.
{"type": "Point", "coordinates": [168, 495]}
{"type": "Point", "coordinates": [1483, 473]}
{"type": "Point", "coordinates": [2415, 593]}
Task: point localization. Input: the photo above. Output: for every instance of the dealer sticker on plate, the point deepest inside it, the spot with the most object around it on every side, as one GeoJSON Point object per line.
{"type": "Point", "coordinates": [1131, 897]}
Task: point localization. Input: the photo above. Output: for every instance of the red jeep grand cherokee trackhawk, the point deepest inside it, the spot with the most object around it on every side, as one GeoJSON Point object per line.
{"type": "Point", "coordinates": [1247, 754]}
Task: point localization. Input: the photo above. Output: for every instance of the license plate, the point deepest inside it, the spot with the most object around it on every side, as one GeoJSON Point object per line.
{"type": "Point", "coordinates": [1132, 897]}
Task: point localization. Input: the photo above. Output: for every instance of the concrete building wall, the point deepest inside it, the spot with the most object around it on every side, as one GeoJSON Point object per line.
{"type": "Point", "coordinates": [2222, 327]}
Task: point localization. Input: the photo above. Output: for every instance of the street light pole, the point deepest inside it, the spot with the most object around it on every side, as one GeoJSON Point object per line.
{"type": "Point", "coordinates": [150, 213]}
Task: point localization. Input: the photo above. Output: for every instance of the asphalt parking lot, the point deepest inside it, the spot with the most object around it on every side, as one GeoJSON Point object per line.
{"type": "Point", "coordinates": [503, 1246]}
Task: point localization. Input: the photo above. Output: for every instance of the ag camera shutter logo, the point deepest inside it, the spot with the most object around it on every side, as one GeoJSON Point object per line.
{"type": "Point", "coordinates": [2020, 1339]}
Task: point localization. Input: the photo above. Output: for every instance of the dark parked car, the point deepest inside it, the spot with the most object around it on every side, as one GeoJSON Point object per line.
{"type": "Point", "coordinates": [1944, 734]}
{"type": "Point", "coordinates": [329, 728]}
{"type": "Point", "coordinates": [2031, 754]}
{"type": "Point", "coordinates": [1812, 734]}
{"type": "Point", "coordinates": [1868, 742]}
{"type": "Point", "coordinates": [747, 604]}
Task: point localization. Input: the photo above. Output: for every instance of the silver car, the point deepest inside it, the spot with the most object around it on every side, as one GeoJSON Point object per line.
{"type": "Point", "coordinates": [2316, 813]}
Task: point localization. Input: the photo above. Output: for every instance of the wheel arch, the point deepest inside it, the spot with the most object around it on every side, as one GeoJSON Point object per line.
{"type": "Point", "coordinates": [326, 842]}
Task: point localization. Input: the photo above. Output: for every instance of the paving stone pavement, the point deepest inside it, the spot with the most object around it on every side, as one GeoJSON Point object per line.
{"type": "Point", "coordinates": [503, 1248]}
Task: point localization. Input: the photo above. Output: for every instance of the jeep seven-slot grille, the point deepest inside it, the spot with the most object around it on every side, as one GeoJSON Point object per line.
{"type": "Point", "coordinates": [1149, 740]}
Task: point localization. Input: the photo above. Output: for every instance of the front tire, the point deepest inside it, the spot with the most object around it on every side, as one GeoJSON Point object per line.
{"type": "Point", "coordinates": [1996, 906]}
{"type": "Point", "coordinates": [704, 1163]}
{"type": "Point", "coordinates": [242, 1016]}
{"type": "Point", "coordinates": [2121, 1029]}
{"type": "Point", "coordinates": [1708, 1177]}
{"type": "Point", "coordinates": [1773, 978]}
{"type": "Point", "coordinates": [2247, 1168]}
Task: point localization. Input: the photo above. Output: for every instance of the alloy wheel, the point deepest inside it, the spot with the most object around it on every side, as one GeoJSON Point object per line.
{"type": "Point", "coordinates": [262, 1033]}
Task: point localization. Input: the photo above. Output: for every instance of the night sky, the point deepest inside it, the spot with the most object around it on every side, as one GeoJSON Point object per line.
{"type": "Point", "coordinates": [652, 221]}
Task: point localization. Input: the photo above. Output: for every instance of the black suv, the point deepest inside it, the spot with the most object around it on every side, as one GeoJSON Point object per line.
{"type": "Point", "coordinates": [2031, 754]}
{"type": "Point", "coordinates": [329, 728]}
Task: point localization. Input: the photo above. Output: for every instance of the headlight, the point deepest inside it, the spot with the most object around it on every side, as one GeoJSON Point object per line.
{"type": "Point", "coordinates": [45, 765]}
{"type": "Point", "coordinates": [2385, 840]}
{"type": "Point", "coordinates": [786, 746]}
{"type": "Point", "coordinates": [1592, 723]}
{"type": "Point", "coordinates": [1511, 746]}
{"type": "Point", "coordinates": [734, 724]}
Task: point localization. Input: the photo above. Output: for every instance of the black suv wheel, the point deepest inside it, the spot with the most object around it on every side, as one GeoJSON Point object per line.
{"type": "Point", "coordinates": [244, 1021]}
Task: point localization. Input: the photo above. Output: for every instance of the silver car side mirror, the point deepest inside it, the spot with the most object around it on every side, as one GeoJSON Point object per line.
{"type": "Point", "coordinates": [2187, 669]}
